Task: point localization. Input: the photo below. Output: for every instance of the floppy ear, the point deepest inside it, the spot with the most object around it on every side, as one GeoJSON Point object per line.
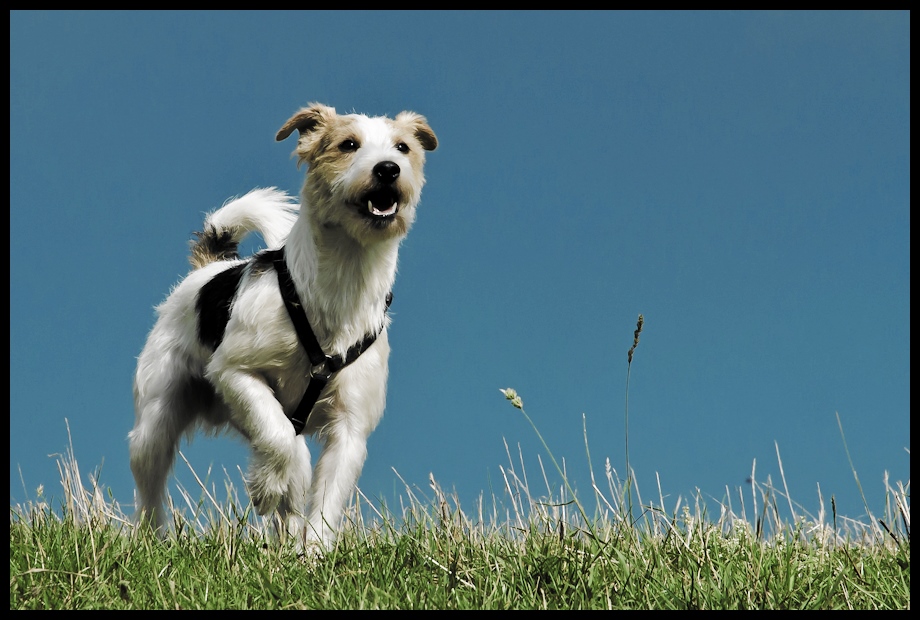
{"type": "Point", "coordinates": [419, 126]}
{"type": "Point", "coordinates": [306, 120]}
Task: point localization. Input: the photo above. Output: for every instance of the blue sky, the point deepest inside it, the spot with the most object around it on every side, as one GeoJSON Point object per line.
{"type": "Point", "coordinates": [740, 179]}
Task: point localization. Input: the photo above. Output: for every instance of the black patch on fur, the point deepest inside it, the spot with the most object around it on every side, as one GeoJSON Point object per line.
{"type": "Point", "coordinates": [265, 260]}
{"type": "Point", "coordinates": [213, 305]}
{"type": "Point", "coordinates": [198, 394]}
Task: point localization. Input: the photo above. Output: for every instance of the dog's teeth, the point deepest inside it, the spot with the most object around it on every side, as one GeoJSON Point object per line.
{"type": "Point", "coordinates": [371, 208]}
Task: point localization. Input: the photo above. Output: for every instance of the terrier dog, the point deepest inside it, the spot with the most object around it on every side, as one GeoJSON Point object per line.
{"type": "Point", "coordinates": [293, 339]}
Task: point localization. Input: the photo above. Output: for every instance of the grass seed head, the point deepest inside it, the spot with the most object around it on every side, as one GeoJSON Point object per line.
{"type": "Point", "coordinates": [638, 331]}
{"type": "Point", "coordinates": [512, 395]}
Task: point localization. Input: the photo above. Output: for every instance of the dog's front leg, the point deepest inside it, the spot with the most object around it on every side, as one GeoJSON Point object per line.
{"type": "Point", "coordinates": [293, 504]}
{"type": "Point", "coordinates": [343, 453]}
{"type": "Point", "coordinates": [279, 458]}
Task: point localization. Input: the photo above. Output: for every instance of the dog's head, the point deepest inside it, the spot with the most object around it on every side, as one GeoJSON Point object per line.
{"type": "Point", "coordinates": [365, 173]}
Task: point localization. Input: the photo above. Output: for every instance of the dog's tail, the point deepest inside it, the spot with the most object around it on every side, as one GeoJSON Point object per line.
{"type": "Point", "coordinates": [268, 211]}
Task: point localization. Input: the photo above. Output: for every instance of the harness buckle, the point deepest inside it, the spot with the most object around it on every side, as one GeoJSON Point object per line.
{"type": "Point", "coordinates": [323, 370]}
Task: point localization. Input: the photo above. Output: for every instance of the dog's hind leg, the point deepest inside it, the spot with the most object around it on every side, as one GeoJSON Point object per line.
{"type": "Point", "coordinates": [153, 443]}
{"type": "Point", "coordinates": [167, 397]}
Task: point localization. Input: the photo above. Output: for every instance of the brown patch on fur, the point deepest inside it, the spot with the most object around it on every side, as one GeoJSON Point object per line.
{"type": "Point", "coordinates": [319, 147]}
{"type": "Point", "coordinates": [305, 120]}
{"type": "Point", "coordinates": [322, 132]}
{"type": "Point", "coordinates": [212, 245]}
{"type": "Point", "coordinates": [310, 121]}
{"type": "Point", "coordinates": [419, 126]}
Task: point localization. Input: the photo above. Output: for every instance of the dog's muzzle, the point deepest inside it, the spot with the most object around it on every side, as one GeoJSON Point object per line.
{"type": "Point", "coordinates": [382, 202]}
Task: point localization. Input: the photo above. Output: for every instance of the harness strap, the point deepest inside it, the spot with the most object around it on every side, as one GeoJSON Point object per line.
{"type": "Point", "coordinates": [323, 366]}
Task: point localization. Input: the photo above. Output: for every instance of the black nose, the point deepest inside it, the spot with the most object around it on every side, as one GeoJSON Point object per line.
{"type": "Point", "coordinates": [386, 172]}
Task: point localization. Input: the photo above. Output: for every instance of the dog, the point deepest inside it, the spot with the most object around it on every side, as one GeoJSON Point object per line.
{"type": "Point", "coordinates": [231, 347]}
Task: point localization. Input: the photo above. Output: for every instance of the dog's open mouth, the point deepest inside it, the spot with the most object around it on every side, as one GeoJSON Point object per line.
{"type": "Point", "coordinates": [380, 204]}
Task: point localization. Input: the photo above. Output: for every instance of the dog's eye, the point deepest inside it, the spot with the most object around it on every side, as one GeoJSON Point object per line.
{"type": "Point", "coordinates": [348, 146]}
{"type": "Point", "coordinates": [402, 147]}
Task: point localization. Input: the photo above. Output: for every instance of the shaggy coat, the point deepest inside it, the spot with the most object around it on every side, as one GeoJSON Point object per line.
{"type": "Point", "coordinates": [223, 353]}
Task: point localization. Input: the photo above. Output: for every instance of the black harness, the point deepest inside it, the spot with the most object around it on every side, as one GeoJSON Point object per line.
{"type": "Point", "coordinates": [214, 304]}
{"type": "Point", "coordinates": [323, 366]}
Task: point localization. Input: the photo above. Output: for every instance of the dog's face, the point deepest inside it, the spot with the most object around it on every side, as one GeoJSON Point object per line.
{"type": "Point", "coordinates": [365, 174]}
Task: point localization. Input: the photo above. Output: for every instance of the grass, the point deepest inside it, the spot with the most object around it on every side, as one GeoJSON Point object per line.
{"type": "Point", "coordinates": [525, 550]}
{"type": "Point", "coordinates": [531, 548]}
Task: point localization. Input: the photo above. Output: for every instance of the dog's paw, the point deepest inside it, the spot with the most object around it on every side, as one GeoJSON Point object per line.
{"type": "Point", "coordinates": [266, 488]}
{"type": "Point", "coordinates": [318, 539]}
{"type": "Point", "coordinates": [264, 501]}
{"type": "Point", "coordinates": [311, 551]}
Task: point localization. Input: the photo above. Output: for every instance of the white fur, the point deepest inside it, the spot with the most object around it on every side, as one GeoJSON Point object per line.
{"type": "Point", "coordinates": [269, 211]}
{"type": "Point", "coordinates": [342, 260]}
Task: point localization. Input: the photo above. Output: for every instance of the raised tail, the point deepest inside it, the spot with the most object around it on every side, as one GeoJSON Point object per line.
{"type": "Point", "coordinates": [268, 211]}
